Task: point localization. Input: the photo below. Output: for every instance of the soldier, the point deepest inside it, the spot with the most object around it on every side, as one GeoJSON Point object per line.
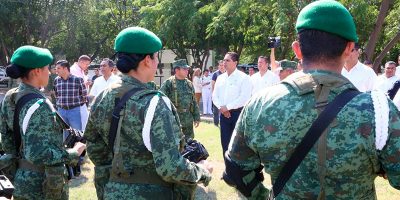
{"type": "Point", "coordinates": [40, 173]}
{"type": "Point", "coordinates": [142, 160]}
{"type": "Point", "coordinates": [286, 68]}
{"type": "Point", "coordinates": [180, 90]}
{"type": "Point", "coordinates": [346, 159]}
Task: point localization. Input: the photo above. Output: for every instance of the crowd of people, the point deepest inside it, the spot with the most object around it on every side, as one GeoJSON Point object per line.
{"type": "Point", "coordinates": [323, 128]}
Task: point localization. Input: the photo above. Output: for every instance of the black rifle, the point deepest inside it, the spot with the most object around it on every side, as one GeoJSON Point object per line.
{"type": "Point", "coordinates": [72, 138]}
{"type": "Point", "coordinates": [194, 151]}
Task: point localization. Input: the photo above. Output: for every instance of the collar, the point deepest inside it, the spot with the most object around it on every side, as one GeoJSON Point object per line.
{"type": "Point", "coordinates": [131, 80]}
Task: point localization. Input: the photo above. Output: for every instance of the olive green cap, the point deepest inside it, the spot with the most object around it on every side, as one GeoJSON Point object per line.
{"type": "Point", "coordinates": [31, 57]}
{"type": "Point", "coordinates": [328, 16]}
{"type": "Point", "coordinates": [137, 40]}
{"type": "Point", "coordinates": [287, 64]}
{"type": "Point", "coordinates": [181, 63]}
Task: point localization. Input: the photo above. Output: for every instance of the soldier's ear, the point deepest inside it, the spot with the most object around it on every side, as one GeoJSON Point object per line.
{"type": "Point", "coordinates": [297, 50]}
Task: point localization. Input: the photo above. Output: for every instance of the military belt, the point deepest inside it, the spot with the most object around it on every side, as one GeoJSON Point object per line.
{"type": "Point", "coordinates": [24, 164]}
{"type": "Point", "coordinates": [141, 177]}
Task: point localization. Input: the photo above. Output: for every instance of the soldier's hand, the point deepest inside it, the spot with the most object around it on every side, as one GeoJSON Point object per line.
{"type": "Point", "coordinates": [196, 124]}
{"type": "Point", "coordinates": [79, 147]}
{"type": "Point", "coordinates": [206, 165]}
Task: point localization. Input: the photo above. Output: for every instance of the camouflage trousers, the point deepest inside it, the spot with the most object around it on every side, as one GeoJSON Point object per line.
{"type": "Point", "coordinates": [117, 191]}
{"type": "Point", "coordinates": [29, 185]}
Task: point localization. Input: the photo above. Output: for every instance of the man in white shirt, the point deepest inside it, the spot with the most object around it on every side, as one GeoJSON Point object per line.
{"type": "Point", "coordinates": [106, 68]}
{"type": "Point", "coordinates": [264, 77]}
{"type": "Point", "coordinates": [385, 81]}
{"type": "Point", "coordinates": [231, 92]}
{"type": "Point", "coordinates": [206, 93]}
{"type": "Point", "coordinates": [360, 75]}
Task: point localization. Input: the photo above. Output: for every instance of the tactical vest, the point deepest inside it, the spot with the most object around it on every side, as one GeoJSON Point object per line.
{"type": "Point", "coordinates": [118, 171]}
{"type": "Point", "coordinates": [305, 83]}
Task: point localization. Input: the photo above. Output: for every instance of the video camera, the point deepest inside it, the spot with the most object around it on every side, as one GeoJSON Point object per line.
{"type": "Point", "coordinates": [274, 42]}
{"type": "Point", "coordinates": [73, 137]}
{"type": "Point", "coordinates": [194, 151]}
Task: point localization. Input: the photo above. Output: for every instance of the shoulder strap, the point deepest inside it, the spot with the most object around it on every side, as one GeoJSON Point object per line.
{"type": "Point", "coordinates": [174, 88]}
{"type": "Point", "coordinates": [393, 91]}
{"type": "Point", "coordinates": [312, 135]}
{"type": "Point", "coordinates": [20, 103]}
{"type": "Point", "coordinates": [119, 105]}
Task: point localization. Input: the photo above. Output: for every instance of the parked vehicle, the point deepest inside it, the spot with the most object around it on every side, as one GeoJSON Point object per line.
{"type": "Point", "coordinates": [3, 76]}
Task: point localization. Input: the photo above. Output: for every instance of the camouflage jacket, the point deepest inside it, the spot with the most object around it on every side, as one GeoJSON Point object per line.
{"type": "Point", "coordinates": [344, 161]}
{"type": "Point", "coordinates": [182, 96]}
{"type": "Point", "coordinates": [165, 138]}
{"type": "Point", "coordinates": [41, 146]}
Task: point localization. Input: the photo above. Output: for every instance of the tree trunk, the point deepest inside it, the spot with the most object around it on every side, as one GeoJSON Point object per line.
{"type": "Point", "coordinates": [390, 45]}
{"type": "Point", "coordinates": [373, 38]}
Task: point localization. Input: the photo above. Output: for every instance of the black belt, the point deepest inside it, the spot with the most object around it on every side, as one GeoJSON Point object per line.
{"type": "Point", "coordinates": [236, 110]}
{"type": "Point", "coordinates": [71, 107]}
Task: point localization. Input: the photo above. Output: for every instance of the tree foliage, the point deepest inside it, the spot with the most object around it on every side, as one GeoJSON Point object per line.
{"type": "Point", "coordinates": [188, 27]}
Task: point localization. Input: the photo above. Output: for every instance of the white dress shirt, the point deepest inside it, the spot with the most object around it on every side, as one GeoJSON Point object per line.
{"type": "Point", "coordinates": [101, 83]}
{"type": "Point", "coordinates": [206, 80]}
{"type": "Point", "coordinates": [362, 77]}
{"type": "Point", "coordinates": [398, 71]}
{"type": "Point", "coordinates": [260, 82]}
{"type": "Point", "coordinates": [232, 91]}
{"type": "Point", "coordinates": [384, 84]}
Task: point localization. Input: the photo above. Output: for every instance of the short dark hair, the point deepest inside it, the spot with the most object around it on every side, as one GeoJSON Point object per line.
{"type": "Point", "coordinates": [234, 56]}
{"type": "Point", "coordinates": [109, 62]}
{"type": "Point", "coordinates": [63, 63]}
{"type": "Point", "coordinates": [320, 46]}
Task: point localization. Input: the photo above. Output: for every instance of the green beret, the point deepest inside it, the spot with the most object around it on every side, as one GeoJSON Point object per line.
{"type": "Point", "coordinates": [287, 64]}
{"type": "Point", "coordinates": [137, 40]}
{"type": "Point", "coordinates": [181, 63]}
{"type": "Point", "coordinates": [328, 16]}
{"type": "Point", "coordinates": [31, 57]}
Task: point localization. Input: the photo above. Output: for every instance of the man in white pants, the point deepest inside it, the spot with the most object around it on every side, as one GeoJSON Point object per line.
{"type": "Point", "coordinates": [206, 93]}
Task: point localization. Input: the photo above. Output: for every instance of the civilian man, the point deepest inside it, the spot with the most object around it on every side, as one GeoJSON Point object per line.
{"type": "Point", "coordinates": [230, 94]}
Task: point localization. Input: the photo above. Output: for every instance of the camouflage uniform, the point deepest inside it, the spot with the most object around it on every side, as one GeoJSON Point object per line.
{"type": "Point", "coordinates": [181, 93]}
{"type": "Point", "coordinates": [45, 176]}
{"type": "Point", "coordinates": [343, 163]}
{"type": "Point", "coordinates": [136, 172]}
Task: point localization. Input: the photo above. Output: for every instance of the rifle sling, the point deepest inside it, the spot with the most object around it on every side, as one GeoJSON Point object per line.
{"type": "Point", "coordinates": [20, 103]}
{"type": "Point", "coordinates": [119, 105]}
{"type": "Point", "coordinates": [312, 135]}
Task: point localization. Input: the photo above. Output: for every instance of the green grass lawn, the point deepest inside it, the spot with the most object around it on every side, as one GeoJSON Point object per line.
{"type": "Point", "coordinates": [208, 134]}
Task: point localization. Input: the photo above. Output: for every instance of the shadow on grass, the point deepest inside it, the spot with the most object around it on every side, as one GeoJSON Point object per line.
{"type": "Point", "coordinates": [203, 193]}
{"type": "Point", "coordinates": [82, 179]}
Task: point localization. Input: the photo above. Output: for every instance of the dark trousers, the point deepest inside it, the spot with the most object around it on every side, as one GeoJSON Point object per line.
{"type": "Point", "coordinates": [216, 115]}
{"type": "Point", "coordinates": [227, 127]}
